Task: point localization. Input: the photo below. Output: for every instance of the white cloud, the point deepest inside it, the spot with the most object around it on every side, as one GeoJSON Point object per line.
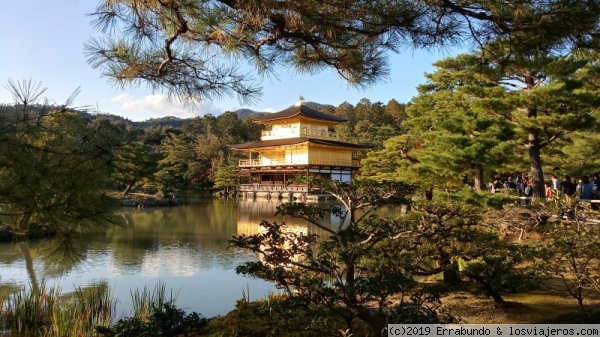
{"type": "Point", "coordinates": [271, 110]}
{"type": "Point", "coordinates": [155, 106]}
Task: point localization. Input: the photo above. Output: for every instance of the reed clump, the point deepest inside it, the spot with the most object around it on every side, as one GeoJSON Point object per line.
{"type": "Point", "coordinates": [44, 311]}
{"type": "Point", "coordinates": [145, 301]}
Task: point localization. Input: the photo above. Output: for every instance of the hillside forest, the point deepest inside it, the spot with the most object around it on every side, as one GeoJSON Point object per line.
{"type": "Point", "coordinates": [464, 127]}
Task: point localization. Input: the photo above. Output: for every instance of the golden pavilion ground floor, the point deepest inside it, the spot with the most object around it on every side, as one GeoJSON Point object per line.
{"type": "Point", "coordinates": [280, 183]}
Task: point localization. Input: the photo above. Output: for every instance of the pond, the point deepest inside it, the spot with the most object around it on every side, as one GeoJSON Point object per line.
{"type": "Point", "coordinates": [184, 247]}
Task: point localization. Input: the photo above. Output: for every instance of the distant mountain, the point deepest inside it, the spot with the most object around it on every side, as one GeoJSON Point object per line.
{"type": "Point", "coordinates": [114, 118]}
{"type": "Point", "coordinates": [177, 122]}
{"type": "Point", "coordinates": [172, 121]}
{"type": "Point", "coordinates": [318, 106]}
{"type": "Point", "coordinates": [243, 113]}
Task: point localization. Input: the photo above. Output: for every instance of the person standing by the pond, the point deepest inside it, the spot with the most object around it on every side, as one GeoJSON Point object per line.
{"type": "Point", "coordinates": [566, 186]}
{"type": "Point", "coordinates": [585, 188]}
{"type": "Point", "coordinates": [527, 187]}
{"type": "Point", "coordinates": [549, 190]}
{"type": "Point", "coordinates": [555, 183]}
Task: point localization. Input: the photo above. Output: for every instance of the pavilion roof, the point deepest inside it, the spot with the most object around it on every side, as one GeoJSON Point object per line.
{"type": "Point", "coordinates": [299, 110]}
{"type": "Point", "coordinates": [293, 141]}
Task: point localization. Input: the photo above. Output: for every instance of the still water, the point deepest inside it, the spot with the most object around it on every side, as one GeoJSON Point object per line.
{"type": "Point", "coordinates": [184, 247]}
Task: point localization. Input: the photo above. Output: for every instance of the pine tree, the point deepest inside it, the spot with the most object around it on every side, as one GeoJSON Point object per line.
{"type": "Point", "coordinates": [55, 170]}
{"type": "Point", "coordinates": [544, 96]}
{"type": "Point", "coordinates": [179, 45]}
{"type": "Point", "coordinates": [479, 113]}
{"type": "Point", "coordinates": [449, 141]}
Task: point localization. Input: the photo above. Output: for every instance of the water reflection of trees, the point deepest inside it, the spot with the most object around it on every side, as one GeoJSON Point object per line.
{"type": "Point", "coordinates": [201, 230]}
{"type": "Point", "coordinates": [177, 239]}
{"type": "Point", "coordinates": [191, 234]}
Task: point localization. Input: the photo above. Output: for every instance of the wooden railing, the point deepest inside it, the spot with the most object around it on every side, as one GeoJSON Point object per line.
{"type": "Point", "coordinates": [318, 133]}
{"type": "Point", "coordinates": [249, 162]}
{"type": "Point", "coordinates": [273, 187]}
{"type": "Point", "coordinates": [259, 162]}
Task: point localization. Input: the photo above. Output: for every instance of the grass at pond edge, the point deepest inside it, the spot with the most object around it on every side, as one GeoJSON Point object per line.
{"type": "Point", "coordinates": [47, 314]}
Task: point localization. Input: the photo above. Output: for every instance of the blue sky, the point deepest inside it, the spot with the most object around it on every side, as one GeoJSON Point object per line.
{"type": "Point", "coordinates": [43, 40]}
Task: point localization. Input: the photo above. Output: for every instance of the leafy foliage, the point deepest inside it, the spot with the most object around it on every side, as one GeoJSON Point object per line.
{"type": "Point", "coordinates": [368, 122]}
{"type": "Point", "coordinates": [55, 169]}
{"type": "Point", "coordinates": [474, 118]}
{"type": "Point", "coordinates": [344, 272]}
{"type": "Point", "coordinates": [570, 257]}
{"type": "Point", "coordinates": [165, 320]}
{"type": "Point", "coordinates": [179, 45]}
{"type": "Point", "coordinates": [133, 163]}
{"type": "Point", "coordinates": [277, 315]}
{"type": "Point", "coordinates": [500, 269]}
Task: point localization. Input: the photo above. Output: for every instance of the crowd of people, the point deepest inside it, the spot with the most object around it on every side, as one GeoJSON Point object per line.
{"type": "Point", "coordinates": [586, 187]}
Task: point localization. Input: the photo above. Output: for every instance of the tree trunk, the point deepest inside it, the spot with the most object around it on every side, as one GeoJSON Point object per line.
{"type": "Point", "coordinates": [536, 174]}
{"type": "Point", "coordinates": [449, 270]}
{"type": "Point", "coordinates": [375, 319]}
{"type": "Point", "coordinates": [451, 275]}
{"type": "Point", "coordinates": [498, 300]}
{"type": "Point", "coordinates": [129, 187]}
{"type": "Point", "coordinates": [495, 295]}
{"type": "Point", "coordinates": [479, 185]}
{"type": "Point", "coordinates": [26, 253]}
{"type": "Point", "coordinates": [580, 298]}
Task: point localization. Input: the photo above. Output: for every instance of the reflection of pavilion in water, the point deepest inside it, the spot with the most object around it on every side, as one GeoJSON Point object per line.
{"type": "Point", "coordinates": [252, 212]}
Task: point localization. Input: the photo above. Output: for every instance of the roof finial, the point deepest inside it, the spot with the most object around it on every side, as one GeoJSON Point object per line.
{"type": "Point", "coordinates": [301, 99]}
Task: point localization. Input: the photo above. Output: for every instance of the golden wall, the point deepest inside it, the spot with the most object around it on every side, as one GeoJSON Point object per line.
{"type": "Point", "coordinates": [328, 155]}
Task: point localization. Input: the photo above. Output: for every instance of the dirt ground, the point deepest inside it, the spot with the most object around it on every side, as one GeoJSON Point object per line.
{"type": "Point", "coordinates": [534, 307]}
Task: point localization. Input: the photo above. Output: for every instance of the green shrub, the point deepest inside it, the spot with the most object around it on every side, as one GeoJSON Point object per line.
{"type": "Point", "coordinates": [279, 316]}
{"type": "Point", "coordinates": [165, 320]}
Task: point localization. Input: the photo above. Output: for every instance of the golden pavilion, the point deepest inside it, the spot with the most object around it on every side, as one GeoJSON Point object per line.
{"type": "Point", "coordinates": [296, 141]}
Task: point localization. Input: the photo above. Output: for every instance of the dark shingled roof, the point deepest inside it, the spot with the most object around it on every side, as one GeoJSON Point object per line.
{"type": "Point", "coordinates": [296, 140]}
{"type": "Point", "coordinates": [299, 110]}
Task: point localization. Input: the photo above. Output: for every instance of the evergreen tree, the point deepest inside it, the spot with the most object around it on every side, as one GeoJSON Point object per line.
{"type": "Point", "coordinates": [393, 162]}
{"type": "Point", "coordinates": [545, 97]}
{"type": "Point", "coordinates": [176, 166]}
{"type": "Point", "coordinates": [346, 272]}
{"type": "Point", "coordinates": [224, 176]}
{"type": "Point", "coordinates": [474, 115]}
{"type": "Point", "coordinates": [579, 154]}
{"type": "Point", "coordinates": [55, 170]}
{"type": "Point", "coordinates": [167, 44]}
{"type": "Point", "coordinates": [449, 140]}
{"type": "Point", "coordinates": [457, 140]}
{"type": "Point", "coordinates": [133, 163]}
{"type": "Point", "coordinates": [397, 112]}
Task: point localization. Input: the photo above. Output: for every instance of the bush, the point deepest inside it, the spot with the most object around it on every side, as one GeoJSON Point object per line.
{"type": "Point", "coordinates": [165, 320]}
{"type": "Point", "coordinates": [278, 316]}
